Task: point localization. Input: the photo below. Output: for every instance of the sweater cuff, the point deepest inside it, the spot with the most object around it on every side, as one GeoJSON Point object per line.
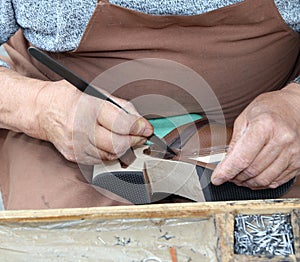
{"type": "Point", "coordinates": [3, 64]}
{"type": "Point", "coordinates": [297, 80]}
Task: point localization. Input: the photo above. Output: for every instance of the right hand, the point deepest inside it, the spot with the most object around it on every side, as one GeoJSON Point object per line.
{"type": "Point", "coordinates": [86, 129]}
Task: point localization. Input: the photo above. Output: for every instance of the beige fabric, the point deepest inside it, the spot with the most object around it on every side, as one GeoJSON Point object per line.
{"type": "Point", "coordinates": [162, 176]}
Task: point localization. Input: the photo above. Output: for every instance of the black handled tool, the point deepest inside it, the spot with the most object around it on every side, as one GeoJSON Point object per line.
{"type": "Point", "coordinates": [85, 87]}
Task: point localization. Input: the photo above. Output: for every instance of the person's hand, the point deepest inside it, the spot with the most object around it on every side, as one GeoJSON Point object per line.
{"type": "Point", "coordinates": [265, 147]}
{"type": "Point", "coordinates": [86, 129]}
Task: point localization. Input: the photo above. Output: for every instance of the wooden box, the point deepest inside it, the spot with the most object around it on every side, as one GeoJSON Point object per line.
{"type": "Point", "coordinates": [168, 232]}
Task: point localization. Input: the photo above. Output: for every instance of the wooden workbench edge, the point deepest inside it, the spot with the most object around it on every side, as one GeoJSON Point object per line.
{"type": "Point", "coordinates": [205, 209]}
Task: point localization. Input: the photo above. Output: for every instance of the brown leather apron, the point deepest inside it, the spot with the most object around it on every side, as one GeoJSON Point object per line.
{"type": "Point", "coordinates": [240, 51]}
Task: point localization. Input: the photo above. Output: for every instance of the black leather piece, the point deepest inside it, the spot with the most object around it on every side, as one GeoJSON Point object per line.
{"type": "Point", "coordinates": [131, 186]}
{"type": "Point", "coordinates": [229, 191]}
{"type": "Point", "coordinates": [127, 184]}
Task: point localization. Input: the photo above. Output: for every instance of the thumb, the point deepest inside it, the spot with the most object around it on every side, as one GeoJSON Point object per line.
{"type": "Point", "coordinates": [240, 126]}
{"type": "Point", "coordinates": [239, 129]}
{"type": "Point", "coordinates": [141, 127]}
{"type": "Point", "coordinates": [118, 121]}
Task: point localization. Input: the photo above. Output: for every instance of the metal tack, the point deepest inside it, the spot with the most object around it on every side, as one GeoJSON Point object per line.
{"type": "Point", "coordinates": [263, 235]}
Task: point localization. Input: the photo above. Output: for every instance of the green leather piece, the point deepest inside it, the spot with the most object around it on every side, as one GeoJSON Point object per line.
{"type": "Point", "coordinates": [163, 126]}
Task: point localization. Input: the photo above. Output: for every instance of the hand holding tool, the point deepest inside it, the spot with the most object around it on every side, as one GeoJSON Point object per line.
{"type": "Point", "coordinates": [85, 87]}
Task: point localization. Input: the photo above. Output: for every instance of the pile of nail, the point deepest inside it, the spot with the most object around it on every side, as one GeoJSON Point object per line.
{"type": "Point", "coordinates": [270, 235]}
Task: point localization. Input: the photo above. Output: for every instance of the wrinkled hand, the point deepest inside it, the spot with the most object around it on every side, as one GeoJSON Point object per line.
{"type": "Point", "coordinates": [265, 147]}
{"type": "Point", "coordinates": [86, 129]}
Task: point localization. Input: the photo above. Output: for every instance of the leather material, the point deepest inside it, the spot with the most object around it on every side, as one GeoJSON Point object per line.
{"type": "Point", "coordinates": [199, 138]}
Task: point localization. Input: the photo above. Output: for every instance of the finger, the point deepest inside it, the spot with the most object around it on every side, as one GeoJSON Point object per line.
{"type": "Point", "coordinates": [128, 106]}
{"type": "Point", "coordinates": [270, 174]}
{"type": "Point", "coordinates": [287, 177]}
{"type": "Point", "coordinates": [264, 159]}
{"type": "Point", "coordinates": [120, 122]}
{"type": "Point", "coordinates": [238, 130]}
{"type": "Point", "coordinates": [98, 156]}
{"type": "Point", "coordinates": [245, 150]}
{"type": "Point", "coordinates": [89, 154]}
{"type": "Point", "coordinates": [240, 126]}
{"type": "Point", "coordinates": [284, 178]}
{"type": "Point", "coordinates": [112, 143]}
{"type": "Point", "coordinates": [94, 156]}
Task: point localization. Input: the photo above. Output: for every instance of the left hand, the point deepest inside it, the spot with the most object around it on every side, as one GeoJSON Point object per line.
{"type": "Point", "coordinates": [265, 148]}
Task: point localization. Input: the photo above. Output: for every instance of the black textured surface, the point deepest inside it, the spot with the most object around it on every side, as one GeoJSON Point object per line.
{"type": "Point", "coordinates": [127, 184]}
{"type": "Point", "coordinates": [131, 186]}
{"type": "Point", "coordinates": [230, 191]}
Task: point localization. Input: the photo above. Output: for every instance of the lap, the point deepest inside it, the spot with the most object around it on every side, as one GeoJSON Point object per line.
{"type": "Point", "coordinates": [34, 175]}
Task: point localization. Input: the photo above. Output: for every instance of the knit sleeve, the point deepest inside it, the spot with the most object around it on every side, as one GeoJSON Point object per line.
{"type": "Point", "coordinates": [3, 64]}
{"type": "Point", "coordinates": [297, 80]}
{"type": "Point", "coordinates": [8, 24]}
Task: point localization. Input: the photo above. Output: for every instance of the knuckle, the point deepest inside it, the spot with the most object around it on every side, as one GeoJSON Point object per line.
{"type": "Point", "coordinates": [295, 151]}
{"type": "Point", "coordinates": [111, 150]}
{"type": "Point", "coordinates": [255, 110]}
{"type": "Point", "coordinates": [237, 182]}
{"type": "Point", "coordinates": [265, 123]}
{"type": "Point", "coordinates": [274, 185]}
{"type": "Point", "coordinates": [263, 182]}
{"type": "Point", "coordinates": [108, 156]}
{"type": "Point", "coordinates": [131, 124]}
{"type": "Point", "coordinates": [286, 137]}
{"type": "Point", "coordinates": [137, 140]}
{"type": "Point", "coordinates": [67, 151]}
{"type": "Point", "coordinates": [238, 120]}
{"type": "Point", "coordinates": [106, 111]}
{"type": "Point", "coordinates": [119, 148]}
{"type": "Point", "coordinates": [267, 120]}
{"type": "Point", "coordinates": [129, 106]}
{"type": "Point", "coordinates": [242, 163]}
{"type": "Point", "coordinates": [251, 172]}
{"type": "Point", "coordinates": [69, 156]}
{"type": "Point", "coordinates": [126, 123]}
{"type": "Point", "coordinates": [262, 99]}
{"type": "Point", "coordinates": [294, 166]}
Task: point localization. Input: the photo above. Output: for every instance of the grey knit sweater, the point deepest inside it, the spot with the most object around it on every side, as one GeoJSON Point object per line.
{"type": "Point", "coordinates": [59, 25]}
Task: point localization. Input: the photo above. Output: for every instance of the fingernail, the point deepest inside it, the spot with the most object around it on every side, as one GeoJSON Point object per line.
{"type": "Point", "coordinates": [147, 132]}
{"type": "Point", "coordinates": [250, 184]}
{"type": "Point", "coordinates": [135, 140]}
{"type": "Point", "coordinates": [141, 125]}
{"type": "Point", "coordinates": [218, 181]}
{"type": "Point", "coordinates": [143, 128]}
{"type": "Point", "coordinates": [138, 140]}
{"type": "Point", "coordinates": [274, 185]}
